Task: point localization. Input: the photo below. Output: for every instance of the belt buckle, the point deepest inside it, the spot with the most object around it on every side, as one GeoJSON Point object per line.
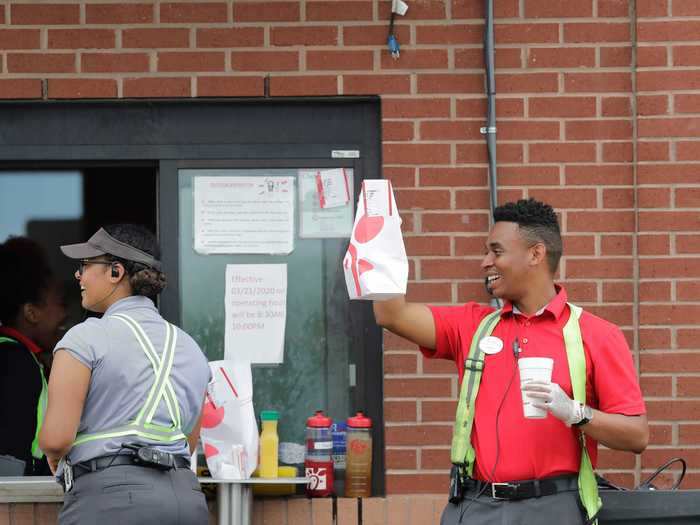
{"type": "Point", "coordinates": [506, 490]}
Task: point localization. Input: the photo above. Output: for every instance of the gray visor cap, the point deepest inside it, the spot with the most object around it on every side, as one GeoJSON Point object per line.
{"type": "Point", "coordinates": [102, 243]}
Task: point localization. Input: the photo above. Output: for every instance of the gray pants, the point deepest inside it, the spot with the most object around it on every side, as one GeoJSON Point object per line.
{"type": "Point", "coordinates": [133, 495]}
{"type": "Point", "coordinates": [562, 508]}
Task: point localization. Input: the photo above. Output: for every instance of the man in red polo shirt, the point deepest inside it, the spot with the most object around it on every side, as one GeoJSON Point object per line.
{"type": "Point", "coordinates": [523, 250]}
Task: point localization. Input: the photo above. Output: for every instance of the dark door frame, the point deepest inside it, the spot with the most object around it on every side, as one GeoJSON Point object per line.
{"type": "Point", "coordinates": [172, 133]}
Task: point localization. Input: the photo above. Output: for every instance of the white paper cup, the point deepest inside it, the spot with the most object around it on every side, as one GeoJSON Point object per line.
{"type": "Point", "coordinates": [534, 369]}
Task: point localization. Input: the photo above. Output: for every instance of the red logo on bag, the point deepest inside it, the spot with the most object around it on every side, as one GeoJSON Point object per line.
{"type": "Point", "coordinates": [357, 267]}
{"type": "Point", "coordinates": [212, 417]}
{"type": "Point", "coordinates": [210, 450]}
{"type": "Point", "coordinates": [368, 228]}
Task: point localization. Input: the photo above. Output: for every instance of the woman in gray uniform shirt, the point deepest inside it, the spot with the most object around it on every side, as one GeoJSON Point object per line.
{"type": "Point", "coordinates": [125, 394]}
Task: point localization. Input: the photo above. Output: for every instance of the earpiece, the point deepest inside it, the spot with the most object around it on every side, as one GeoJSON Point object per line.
{"type": "Point", "coordinates": [115, 271]}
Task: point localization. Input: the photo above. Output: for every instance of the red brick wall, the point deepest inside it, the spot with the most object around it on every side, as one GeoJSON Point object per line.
{"type": "Point", "coordinates": [668, 173]}
{"type": "Point", "coordinates": [395, 510]}
{"type": "Point", "coordinates": [597, 114]}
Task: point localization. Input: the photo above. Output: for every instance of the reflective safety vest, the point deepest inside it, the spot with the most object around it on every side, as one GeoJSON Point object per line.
{"type": "Point", "coordinates": [162, 389]}
{"type": "Point", "coordinates": [41, 404]}
{"type": "Point", "coordinates": [462, 453]}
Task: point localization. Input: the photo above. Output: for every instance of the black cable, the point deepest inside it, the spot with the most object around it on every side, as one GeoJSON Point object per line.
{"type": "Point", "coordinates": [646, 484]}
{"type": "Point", "coordinates": [498, 441]}
{"type": "Point", "coordinates": [111, 461]}
{"type": "Point", "coordinates": [124, 445]}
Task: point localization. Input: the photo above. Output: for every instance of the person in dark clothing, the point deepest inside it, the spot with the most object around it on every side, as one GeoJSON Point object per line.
{"type": "Point", "coordinates": [32, 313]}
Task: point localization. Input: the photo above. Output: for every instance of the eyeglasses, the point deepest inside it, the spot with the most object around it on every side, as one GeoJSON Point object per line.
{"type": "Point", "coordinates": [84, 262]}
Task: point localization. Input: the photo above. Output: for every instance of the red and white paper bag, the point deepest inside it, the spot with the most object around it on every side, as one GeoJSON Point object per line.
{"type": "Point", "coordinates": [375, 265]}
{"type": "Point", "coordinates": [229, 430]}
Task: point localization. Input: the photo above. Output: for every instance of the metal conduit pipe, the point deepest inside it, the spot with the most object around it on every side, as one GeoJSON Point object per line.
{"type": "Point", "coordinates": [490, 129]}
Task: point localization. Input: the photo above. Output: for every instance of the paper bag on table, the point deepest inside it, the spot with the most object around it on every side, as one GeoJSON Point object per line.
{"type": "Point", "coordinates": [229, 429]}
{"type": "Point", "coordinates": [375, 265]}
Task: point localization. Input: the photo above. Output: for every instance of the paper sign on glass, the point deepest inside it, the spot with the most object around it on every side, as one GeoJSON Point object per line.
{"type": "Point", "coordinates": [333, 188]}
{"type": "Point", "coordinates": [244, 215]}
{"type": "Point", "coordinates": [256, 312]}
{"type": "Point", "coordinates": [317, 222]}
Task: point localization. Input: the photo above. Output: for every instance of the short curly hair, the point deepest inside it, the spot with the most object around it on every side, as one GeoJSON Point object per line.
{"type": "Point", "coordinates": [538, 223]}
{"type": "Point", "coordinates": [25, 276]}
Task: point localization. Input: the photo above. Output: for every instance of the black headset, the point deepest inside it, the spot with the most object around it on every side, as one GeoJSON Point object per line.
{"type": "Point", "coordinates": [115, 270]}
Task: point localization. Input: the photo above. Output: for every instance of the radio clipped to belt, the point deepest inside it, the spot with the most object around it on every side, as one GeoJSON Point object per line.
{"type": "Point", "coordinates": [151, 457]}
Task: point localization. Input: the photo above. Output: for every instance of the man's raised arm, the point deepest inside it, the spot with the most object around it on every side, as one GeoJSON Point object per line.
{"type": "Point", "coordinates": [412, 321]}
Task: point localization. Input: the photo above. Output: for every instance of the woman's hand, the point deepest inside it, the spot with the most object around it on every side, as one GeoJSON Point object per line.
{"type": "Point", "coordinates": [53, 463]}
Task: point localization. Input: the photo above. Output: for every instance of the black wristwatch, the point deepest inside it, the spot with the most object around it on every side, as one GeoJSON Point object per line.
{"type": "Point", "coordinates": [586, 416]}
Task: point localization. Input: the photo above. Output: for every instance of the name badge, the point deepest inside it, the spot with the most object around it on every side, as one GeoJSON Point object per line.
{"type": "Point", "coordinates": [490, 345]}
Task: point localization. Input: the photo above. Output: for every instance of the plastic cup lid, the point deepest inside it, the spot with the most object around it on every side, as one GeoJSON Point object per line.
{"type": "Point", "coordinates": [318, 420]}
{"type": "Point", "coordinates": [360, 421]}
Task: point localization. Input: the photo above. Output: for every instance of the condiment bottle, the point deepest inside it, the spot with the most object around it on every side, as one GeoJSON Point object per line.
{"type": "Point", "coordinates": [358, 469]}
{"type": "Point", "coordinates": [318, 464]}
{"type": "Point", "coordinates": [269, 444]}
{"type": "Point", "coordinates": [338, 431]}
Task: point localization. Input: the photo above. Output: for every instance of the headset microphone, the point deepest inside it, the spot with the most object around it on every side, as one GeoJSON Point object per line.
{"type": "Point", "coordinates": [115, 274]}
{"type": "Point", "coordinates": [516, 348]}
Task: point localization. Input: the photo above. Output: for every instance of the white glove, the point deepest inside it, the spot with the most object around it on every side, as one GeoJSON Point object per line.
{"type": "Point", "coordinates": [550, 396]}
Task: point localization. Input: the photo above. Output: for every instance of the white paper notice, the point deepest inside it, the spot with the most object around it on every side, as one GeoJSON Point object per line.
{"type": "Point", "coordinates": [244, 214]}
{"type": "Point", "coordinates": [333, 188]}
{"type": "Point", "coordinates": [256, 312]}
{"type": "Point", "coordinates": [317, 222]}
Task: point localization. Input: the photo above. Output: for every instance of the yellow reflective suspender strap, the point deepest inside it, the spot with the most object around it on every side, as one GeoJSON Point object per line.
{"type": "Point", "coordinates": [462, 452]}
{"type": "Point", "coordinates": [161, 389]}
{"type": "Point", "coordinates": [587, 485]}
{"type": "Point", "coordinates": [37, 453]}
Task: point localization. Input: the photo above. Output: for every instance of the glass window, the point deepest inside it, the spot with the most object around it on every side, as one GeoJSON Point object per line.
{"type": "Point", "coordinates": [319, 362]}
{"type": "Point", "coordinates": [28, 199]}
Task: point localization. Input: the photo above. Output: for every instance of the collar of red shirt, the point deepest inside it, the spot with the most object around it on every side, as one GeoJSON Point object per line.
{"type": "Point", "coordinates": [556, 306]}
{"type": "Point", "coordinates": [19, 336]}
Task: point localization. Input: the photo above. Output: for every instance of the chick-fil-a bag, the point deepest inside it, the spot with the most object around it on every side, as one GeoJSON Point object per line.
{"type": "Point", "coordinates": [375, 265]}
{"type": "Point", "coordinates": [229, 430]}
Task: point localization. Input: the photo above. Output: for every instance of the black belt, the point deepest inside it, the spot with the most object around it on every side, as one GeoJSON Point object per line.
{"type": "Point", "coordinates": [533, 488]}
{"type": "Point", "coordinates": [103, 462]}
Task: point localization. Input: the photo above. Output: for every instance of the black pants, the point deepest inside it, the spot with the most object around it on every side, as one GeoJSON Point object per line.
{"type": "Point", "coordinates": [562, 508]}
{"type": "Point", "coordinates": [133, 495]}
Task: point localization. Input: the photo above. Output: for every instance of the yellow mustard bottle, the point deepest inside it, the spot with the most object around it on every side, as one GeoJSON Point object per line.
{"type": "Point", "coordinates": [269, 444]}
